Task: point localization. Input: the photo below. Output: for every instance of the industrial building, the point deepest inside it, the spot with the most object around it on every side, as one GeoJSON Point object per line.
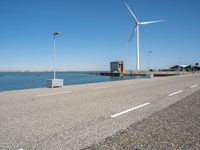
{"type": "Point", "coordinates": [117, 67]}
{"type": "Point", "coordinates": [197, 67]}
{"type": "Point", "coordinates": [179, 68]}
{"type": "Point", "coordinates": [185, 67]}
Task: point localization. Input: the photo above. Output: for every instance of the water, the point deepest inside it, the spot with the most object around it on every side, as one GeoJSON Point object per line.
{"type": "Point", "coordinates": [28, 80]}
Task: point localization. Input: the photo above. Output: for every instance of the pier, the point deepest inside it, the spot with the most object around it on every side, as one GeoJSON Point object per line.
{"type": "Point", "coordinates": [137, 73]}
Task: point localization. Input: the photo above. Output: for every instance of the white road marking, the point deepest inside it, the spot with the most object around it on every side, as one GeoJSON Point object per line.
{"type": "Point", "coordinates": [126, 111]}
{"type": "Point", "coordinates": [193, 86]}
{"type": "Point", "coordinates": [51, 94]}
{"type": "Point", "coordinates": [175, 93]}
{"type": "Point", "coordinates": [102, 87]}
{"type": "Point", "coordinates": [130, 83]}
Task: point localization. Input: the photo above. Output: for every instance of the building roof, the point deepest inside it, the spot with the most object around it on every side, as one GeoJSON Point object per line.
{"type": "Point", "coordinates": [117, 61]}
{"type": "Point", "coordinates": [183, 66]}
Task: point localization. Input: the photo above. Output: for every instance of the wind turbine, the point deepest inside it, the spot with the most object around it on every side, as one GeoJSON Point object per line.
{"type": "Point", "coordinates": [136, 29]}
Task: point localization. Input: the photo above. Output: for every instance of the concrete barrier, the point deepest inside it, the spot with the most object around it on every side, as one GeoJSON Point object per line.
{"type": "Point", "coordinates": [150, 75]}
{"type": "Point", "coordinates": [53, 83]}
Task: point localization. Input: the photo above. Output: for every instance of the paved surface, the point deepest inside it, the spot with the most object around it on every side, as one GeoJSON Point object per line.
{"type": "Point", "coordinates": [176, 127]}
{"type": "Point", "coordinates": [75, 117]}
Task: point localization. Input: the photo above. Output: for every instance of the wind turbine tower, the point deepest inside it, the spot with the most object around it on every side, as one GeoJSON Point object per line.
{"type": "Point", "coordinates": [136, 29]}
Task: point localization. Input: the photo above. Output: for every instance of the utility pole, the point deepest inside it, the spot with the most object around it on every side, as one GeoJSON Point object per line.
{"type": "Point", "coordinates": [149, 53]}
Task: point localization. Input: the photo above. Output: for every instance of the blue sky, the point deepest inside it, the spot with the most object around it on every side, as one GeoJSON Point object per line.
{"type": "Point", "coordinates": [95, 32]}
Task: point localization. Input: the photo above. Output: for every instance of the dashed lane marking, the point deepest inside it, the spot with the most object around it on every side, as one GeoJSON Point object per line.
{"type": "Point", "coordinates": [176, 93]}
{"type": "Point", "coordinates": [102, 87]}
{"type": "Point", "coordinates": [193, 86]}
{"type": "Point", "coordinates": [52, 94]}
{"type": "Point", "coordinates": [131, 109]}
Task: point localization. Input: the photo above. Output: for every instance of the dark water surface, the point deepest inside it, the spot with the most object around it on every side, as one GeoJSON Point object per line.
{"type": "Point", "coordinates": [28, 80]}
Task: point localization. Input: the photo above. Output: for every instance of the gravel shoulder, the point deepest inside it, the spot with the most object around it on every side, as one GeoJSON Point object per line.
{"type": "Point", "coordinates": [176, 127]}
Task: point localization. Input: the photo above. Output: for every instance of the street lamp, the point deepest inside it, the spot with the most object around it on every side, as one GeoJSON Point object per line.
{"type": "Point", "coordinates": [54, 54]}
{"type": "Point", "coordinates": [179, 64]}
{"type": "Point", "coordinates": [51, 83]}
{"type": "Point", "coordinates": [194, 66]}
{"type": "Point", "coordinates": [179, 60]}
{"type": "Point", "coordinates": [149, 52]}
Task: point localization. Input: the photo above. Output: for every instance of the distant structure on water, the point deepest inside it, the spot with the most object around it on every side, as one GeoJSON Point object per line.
{"type": "Point", "coordinates": [117, 67]}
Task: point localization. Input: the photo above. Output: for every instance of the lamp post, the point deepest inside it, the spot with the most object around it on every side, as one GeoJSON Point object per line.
{"type": "Point", "coordinates": [194, 66]}
{"type": "Point", "coordinates": [51, 83]}
{"type": "Point", "coordinates": [179, 63]}
{"type": "Point", "coordinates": [54, 54]}
{"type": "Point", "coordinates": [149, 52]}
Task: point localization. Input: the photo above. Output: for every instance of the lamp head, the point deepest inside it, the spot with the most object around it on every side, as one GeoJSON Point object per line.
{"type": "Point", "coordinates": [56, 33]}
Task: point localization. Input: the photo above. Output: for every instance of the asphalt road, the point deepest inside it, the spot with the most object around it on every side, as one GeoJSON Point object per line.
{"type": "Point", "coordinates": [76, 117]}
{"type": "Point", "coordinates": [176, 127]}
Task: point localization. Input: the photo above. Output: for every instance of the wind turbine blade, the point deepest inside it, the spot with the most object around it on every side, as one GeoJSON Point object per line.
{"type": "Point", "coordinates": [131, 12]}
{"type": "Point", "coordinates": [132, 33]}
{"type": "Point", "coordinates": [135, 28]}
{"type": "Point", "coordinates": [150, 22]}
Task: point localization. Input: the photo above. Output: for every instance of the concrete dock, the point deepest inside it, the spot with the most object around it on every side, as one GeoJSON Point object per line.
{"type": "Point", "coordinates": [75, 117]}
{"type": "Point", "coordinates": [138, 73]}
